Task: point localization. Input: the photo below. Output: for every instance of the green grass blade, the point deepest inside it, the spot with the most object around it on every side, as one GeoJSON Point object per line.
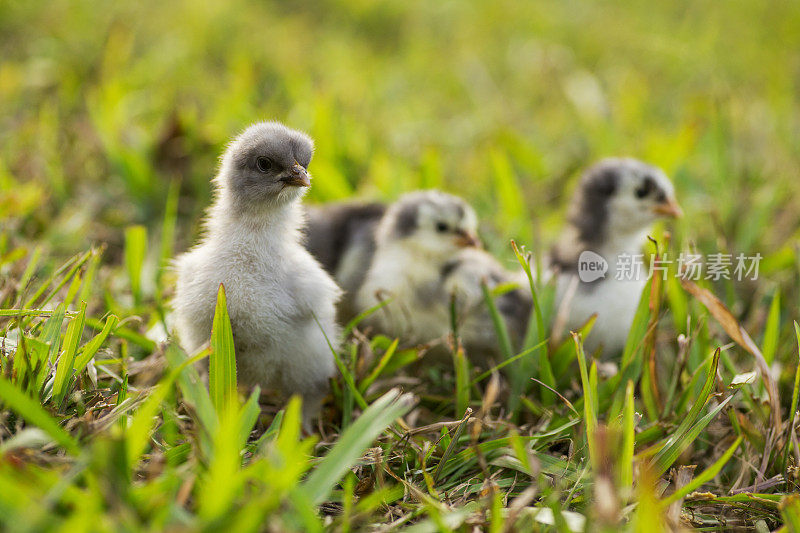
{"type": "Point", "coordinates": [520, 451]}
{"type": "Point", "coordinates": [589, 400]}
{"type": "Point", "coordinates": [142, 423]}
{"type": "Point", "coordinates": [796, 388]}
{"type": "Point", "coordinates": [698, 405]}
{"type": "Point", "coordinates": [348, 398]}
{"type": "Point", "coordinates": [248, 416]}
{"type": "Point", "coordinates": [707, 475]}
{"type": "Point", "coordinates": [90, 348]}
{"type": "Point", "coordinates": [38, 353]}
{"type": "Point", "coordinates": [564, 355]}
{"type": "Point", "coordinates": [67, 359]}
{"type": "Point", "coordinates": [73, 264]}
{"type": "Point", "coordinates": [677, 300]}
{"type": "Point", "coordinates": [649, 516]}
{"type": "Point", "coordinates": [639, 327]}
{"type": "Point", "coordinates": [547, 377]}
{"type": "Point", "coordinates": [124, 333]}
{"type": "Point", "coordinates": [290, 424]}
{"type": "Point", "coordinates": [536, 333]}
{"type": "Point", "coordinates": [795, 395]}
{"type": "Point", "coordinates": [537, 310]}
{"type": "Point", "coordinates": [510, 197]}
{"type": "Point", "coordinates": [361, 316]}
{"type": "Point", "coordinates": [451, 446]}
{"type": "Point", "coordinates": [790, 511]}
{"type": "Point", "coordinates": [91, 272]}
{"type": "Point", "coordinates": [15, 313]}
{"type": "Point", "coordinates": [387, 356]}
{"type": "Point", "coordinates": [33, 413]}
{"type": "Point", "coordinates": [219, 486]}
{"type": "Point", "coordinates": [772, 329]}
{"type": "Point", "coordinates": [72, 290]}
{"type": "Point", "coordinates": [222, 361]}
{"type": "Point", "coordinates": [668, 455]}
{"type": "Point", "coordinates": [628, 439]}
{"type": "Point", "coordinates": [499, 324]}
{"type": "Point", "coordinates": [346, 374]}
{"type": "Point", "coordinates": [461, 365]}
{"type": "Point", "coordinates": [30, 269]}
{"type": "Point", "coordinates": [135, 251]}
{"type": "Point", "coordinates": [352, 443]}
{"type": "Point", "coordinates": [51, 331]}
{"type": "Point", "coordinates": [518, 379]}
{"type": "Point", "coordinates": [69, 277]}
{"type": "Point", "coordinates": [507, 362]}
{"type": "Point", "coordinates": [270, 434]}
{"type": "Point", "coordinates": [194, 391]}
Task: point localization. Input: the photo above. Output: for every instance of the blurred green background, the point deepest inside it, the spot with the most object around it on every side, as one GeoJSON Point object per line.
{"type": "Point", "coordinates": [113, 116]}
{"type": "Point", "coordinates": [104, 105]}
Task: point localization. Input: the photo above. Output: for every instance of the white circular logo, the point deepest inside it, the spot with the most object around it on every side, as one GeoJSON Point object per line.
{"type": "Point", "coordinates": [591, 266]}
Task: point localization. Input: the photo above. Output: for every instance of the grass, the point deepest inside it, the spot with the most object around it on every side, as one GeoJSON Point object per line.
{"type": "Point", "coordinates": [112, 120]}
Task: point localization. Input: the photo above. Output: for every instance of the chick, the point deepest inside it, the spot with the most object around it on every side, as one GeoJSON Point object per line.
{"type": "Point", "coordinates": [616, 203]}
{"type": "Point", "coordinates": [448, 261]}
{"type": "Point", "coordinates": [280, 300]}
{"type": "Point", "coordinates": [414, 241]}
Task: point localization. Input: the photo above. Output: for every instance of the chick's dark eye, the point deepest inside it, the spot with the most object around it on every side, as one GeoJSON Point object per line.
{"type": "Point", "coordinates": [264, 164]}
{"type": "Point", "coordinates": [645, 188]}
{"type": "Point", "coordinates": [441, 227]}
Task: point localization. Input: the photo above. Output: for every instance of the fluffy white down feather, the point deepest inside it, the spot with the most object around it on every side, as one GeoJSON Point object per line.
{"type": "Point", "coordinates": [416, 312]}
{"type": "Point", "coordinates": [614, 301]}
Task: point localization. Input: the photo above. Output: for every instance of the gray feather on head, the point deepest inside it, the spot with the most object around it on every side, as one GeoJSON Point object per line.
{"type": "Point", "coordinates": [430, 211]}
{"type": "Point", "coordinates": [590, 209]}
{"type": "Point", "coordinates": [267, 164]}
{"type": "Point", "coordinates": [622, 184]}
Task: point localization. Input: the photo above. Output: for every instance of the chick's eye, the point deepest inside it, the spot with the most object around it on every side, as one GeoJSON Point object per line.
{"type": "Point", "coordinates": [644, 189]}
{"type": "Point", "coordinates": [264, 164]}
{"type": "Point", "coordinates": [441, 227]}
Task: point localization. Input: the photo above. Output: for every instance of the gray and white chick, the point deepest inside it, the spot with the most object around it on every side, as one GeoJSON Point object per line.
{"type": "Point", "coordinates": [280, 299]}
{"type": "Point", "coordinates": [419, 253]}
{"type": "Point", "coordinates": [613, 209]}
{"type": "Point", "coordinates": [415, 239]}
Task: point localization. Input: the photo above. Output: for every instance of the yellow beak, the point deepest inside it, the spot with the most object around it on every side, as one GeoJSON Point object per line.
{"type": "Point", "coordinates": [466, 239]}
{"type": "Point", "coordinates": [670, 208]}
{"type": "Point", "coordinates": [298, 177]}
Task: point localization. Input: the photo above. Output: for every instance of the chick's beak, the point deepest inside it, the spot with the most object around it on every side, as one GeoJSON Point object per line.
{"type": "Point", "coordinates": [298, 177]}
{"type": "Point", "coordinates": [465, 239]}
{"type": "Point", "coordinates": [669, 208]}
